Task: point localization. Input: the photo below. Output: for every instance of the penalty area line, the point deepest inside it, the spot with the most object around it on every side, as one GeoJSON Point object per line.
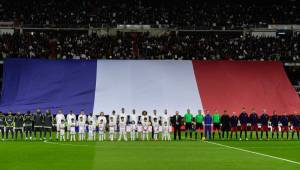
{"type": "Point", "coordinates": [256, 153]}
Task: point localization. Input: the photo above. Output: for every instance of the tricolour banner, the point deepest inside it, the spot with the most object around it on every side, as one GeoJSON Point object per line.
{"type": "Point", "coordinates": [106, 85]}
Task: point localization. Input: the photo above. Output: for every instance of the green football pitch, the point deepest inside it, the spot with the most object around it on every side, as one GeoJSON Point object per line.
{"type": "Point", "coordinates": [46, 155]}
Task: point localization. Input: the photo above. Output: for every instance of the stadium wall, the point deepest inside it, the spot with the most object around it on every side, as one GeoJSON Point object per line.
{"type": "Point", "coordinates": [104, 85]}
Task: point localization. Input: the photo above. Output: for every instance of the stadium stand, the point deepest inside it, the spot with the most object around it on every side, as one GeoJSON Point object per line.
{"type": "Point", "coordinates": [183, 45]}
{"type": "Point", "coordinates": [230, 14]}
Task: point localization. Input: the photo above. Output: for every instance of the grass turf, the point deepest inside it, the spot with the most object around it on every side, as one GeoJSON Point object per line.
{"type": "Point", "coordinates": [147, 155]}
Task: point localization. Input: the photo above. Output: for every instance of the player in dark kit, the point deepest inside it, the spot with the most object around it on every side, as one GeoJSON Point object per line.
{"type": "Point", "coordinates": [296, 125]}
{"type": "Point", "coordinates": [19, 120]}
{"type": "Point", "coordinates": [253, 118]}
{"type": "Point", "coordinates": [28, 120]}
{"type": "Point", "coordinates": [48, 122]}
{"type": "Point", "coordinates": [285, 125]}
{"type": "Point", "coordinates": [38, 123]}
{"type": "Point", "coordinates": [225, 121]}
{"type": "Point", "coordinates": [9, 121]}
{"type": "Point", "coordinates": [274, 123]}
{"type": "Point", "coordinates": [2, 124]}
{"type": "Point", "coordinates": [264, 119]}
{"type": "Point", "coordinates": [233, 122]}
{"type": "Point", "coordinates": [243, 120]}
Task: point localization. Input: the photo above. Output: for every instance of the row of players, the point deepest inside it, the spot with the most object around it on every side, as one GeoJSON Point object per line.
{"type": "Point", "coordinates": [205, 124]}
{"type": "Point", "coordinates": [122, 123]}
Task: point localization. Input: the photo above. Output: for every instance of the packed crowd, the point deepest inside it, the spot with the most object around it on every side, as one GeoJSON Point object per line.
{"type": "Point", "coordinates": [172, 45]}
{"type": "Point", "coordinates": [229, 14]}
{"type": "Point", "coordinates": [118, 126]}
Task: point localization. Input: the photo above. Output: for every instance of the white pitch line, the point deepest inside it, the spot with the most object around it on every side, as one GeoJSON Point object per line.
{"type": "Point", "coordinates": [64, 144]}
{"type": "Point", "coordinates": [256, 153]}
{"type": "Point", "coordinates": [97, 146]}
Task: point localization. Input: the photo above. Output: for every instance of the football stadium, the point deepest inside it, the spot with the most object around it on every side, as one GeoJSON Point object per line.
{"type": "Point", "coordinates": [137, 84]}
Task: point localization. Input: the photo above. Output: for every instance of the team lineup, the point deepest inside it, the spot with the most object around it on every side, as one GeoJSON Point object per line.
{"type": "Point", "coordinates": [98, 127]}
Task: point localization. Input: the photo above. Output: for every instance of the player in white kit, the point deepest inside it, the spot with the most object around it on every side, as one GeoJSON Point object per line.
{"type": "Point", "coordinates": [70, 116]}
{"type": "Point", "coordinates": [145, 125]}
{"type": "Point", "coordinates": [91, 130]}
{"type": "Point", "coordinates": [113, 119]}
{"type": "Point", "coordinates": [134, 119]}
{"type": "Point", "coordinates": [122, 127]}
{"type": "Point", "coordinates": [166, 131]}
{"type": "Point", "coordinates": [72, 130]}
{"type": "Point", "coordinates": [93, 117]}
{"type": "Point", "coordinates": [155, 128]}
{"type": "Point", "coordinates": [59, 117]}
{"type": "Point", "coordinates": [154, 116]}
{"type": "Point", "coordinates": [104, 121]}
{"type": "Point", "coordinates": [81, 125]}
{"type": "Point", "coordinates": [166, 126]}
{"type": "Point", "coordinates": [83, 116]}
{"type": "Point", "coordinates": [62, 130]}
{"type": "Point", "coordinates": [132, 130]}
{"type": "Point", "coordinates": [166, 118]}
{"type": "Point", "coordinates": [111, 127]}
{"type": "Point", "coordinates": [122, 114]}
{"type": "Point", "coordinates": [101, 127]}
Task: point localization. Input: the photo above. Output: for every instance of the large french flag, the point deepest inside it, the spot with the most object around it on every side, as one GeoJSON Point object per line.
{"type": "Point", "coordinates": [106, 85]}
